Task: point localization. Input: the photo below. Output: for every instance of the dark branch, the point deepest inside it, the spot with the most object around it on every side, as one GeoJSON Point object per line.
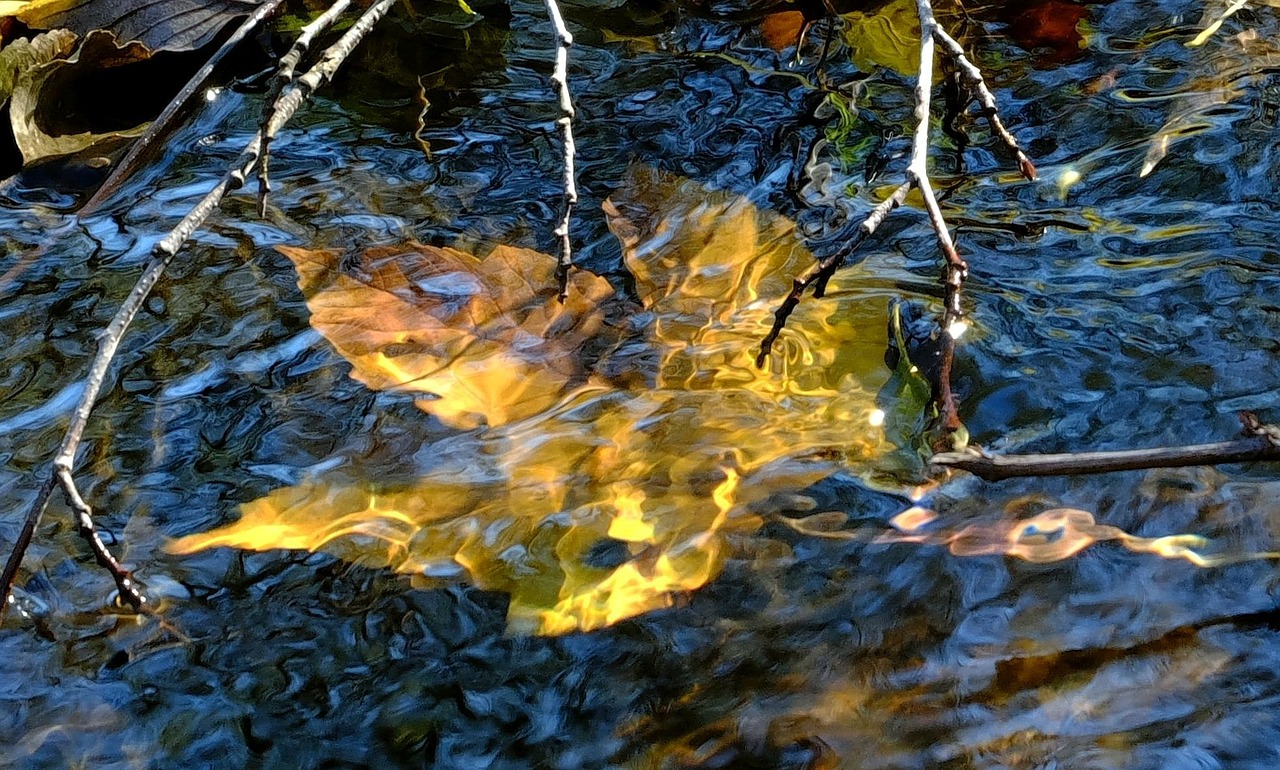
{"type": "Point", "coordinates": [998, 468]}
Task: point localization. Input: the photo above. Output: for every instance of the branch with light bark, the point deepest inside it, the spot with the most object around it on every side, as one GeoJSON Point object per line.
{"type": "Point", "coordinates": [560, 82]}
{"type": "Point", "coordinates": [565, 124]}
{"type": "Point", "coordinates": [286, 75]}
{"type": "Point", "coordinates": [955, 269]}
{"type": "Point", "coordinates": [63, 463]}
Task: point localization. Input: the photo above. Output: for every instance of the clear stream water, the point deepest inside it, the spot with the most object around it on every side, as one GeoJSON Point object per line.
{"type": "Point", "coordinates": [1110, 309]}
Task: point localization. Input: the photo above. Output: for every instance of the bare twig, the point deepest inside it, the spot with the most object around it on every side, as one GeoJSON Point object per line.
{"type": "Point", "coordinates": [973, 77]}
{"type": "Point", "coordinates": [285, 76]}
{"type": "Point", "coordinates": [163, 124]}
{"type": "Point", "coordinates": [162, 255]}
{"type": "Point", "coordinates": [560, 82]}
{"type": "Point", "coordinates": [918, 173]}
{"type": "Point", "coordinates": [956, 269]}
{"type": "Point", "coordinates": [997, 468]}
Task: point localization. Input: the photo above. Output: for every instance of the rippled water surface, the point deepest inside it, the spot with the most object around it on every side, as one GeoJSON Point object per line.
{"type": "Point", "coordinates": [784, 611]}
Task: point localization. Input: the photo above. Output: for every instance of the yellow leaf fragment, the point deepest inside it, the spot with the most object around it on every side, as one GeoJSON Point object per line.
{"type": "Point", "coordinates": [886, 37]}
{"type": "Point", "coordinates": [1220, 77]}
{"type": "Point", "coordinates": [1216, 24]}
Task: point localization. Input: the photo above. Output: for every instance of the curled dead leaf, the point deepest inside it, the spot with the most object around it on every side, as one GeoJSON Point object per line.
{"type": "Point", "coordinates": [21, 57]}
{"type": "Point", "coordinates": [45, 110]}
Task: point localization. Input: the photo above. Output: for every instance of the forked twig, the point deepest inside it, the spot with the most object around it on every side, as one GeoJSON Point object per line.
{"type": "Point", "coordinates": [973, 78]}
{"type": "Point", "coordinates": [162, 255]}
{"type": "Point", "coordinates": [163, 123]}
{"type": "Point", "coordinates": [560, 82]}
{"type": "Point", "coordinates": [917, 177]}
{"type": "Point", "coordinates": [286, 75]}
{"type": "Point", "coordinates": [956, 269]}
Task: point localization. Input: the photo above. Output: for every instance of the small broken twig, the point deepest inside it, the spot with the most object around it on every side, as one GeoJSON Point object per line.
{"type": "Point", "coordinates": [819, 273]}
{"type": "Point", "coordinates": [973, 78]}
{"type": "Point", "coordinates": [162, 255]}
{"type": "Point", "coordinates": [560, 82]}
{"type": "Point", "coordinates": [1262, 443]}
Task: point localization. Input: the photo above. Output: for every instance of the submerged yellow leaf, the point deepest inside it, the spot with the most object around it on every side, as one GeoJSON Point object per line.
{"type": "Point", "coordinates": [587, 503]}
{"type": "Point", "coordinates": [486, 339]}
{"type": "Point", "coordinates": [885, 37]}
{"type": "Point", "coordinates": [713, 268]}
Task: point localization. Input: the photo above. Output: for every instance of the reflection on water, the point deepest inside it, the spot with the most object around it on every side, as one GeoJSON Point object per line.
{"type": "Point", "coordinates": [842, 617]}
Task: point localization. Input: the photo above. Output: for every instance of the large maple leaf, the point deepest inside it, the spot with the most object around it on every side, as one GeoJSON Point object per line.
{"type": "Point", "coordinates": [588, 503]}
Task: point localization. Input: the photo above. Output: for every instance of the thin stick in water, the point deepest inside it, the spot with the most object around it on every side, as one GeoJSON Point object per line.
{"type": "Point", "coordinates": [560, 82]}
{"type": "Point", "coordinates": [286, 75]}
{"type": "Point", "coordinates": [162, 255]}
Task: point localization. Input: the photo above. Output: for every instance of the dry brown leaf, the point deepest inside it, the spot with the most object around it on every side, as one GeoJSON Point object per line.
{"type": "Point", "coordinates": [486, 338]}
{"type": "Point", "coordinates": [161, 25]}
{"type": "Point", "coordinates": [781, 30]}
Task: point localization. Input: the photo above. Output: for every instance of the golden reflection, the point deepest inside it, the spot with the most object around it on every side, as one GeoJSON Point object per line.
{"type": "Point", "coordinates": [888, 37]}
{"type": "Point", "coordinates": [1217, 78]}
{"type": "Point", "coordinates": [590, 503]}
{"type": "Point", "coordinates": [1049, 536]}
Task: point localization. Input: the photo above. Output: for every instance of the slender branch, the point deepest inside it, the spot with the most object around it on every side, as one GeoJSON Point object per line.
{"type": "Point", "coordinates": [956, 270]}
{"type": "Point", "coordinates": [162, 255]}
{"type": "Point", "coordinates": [820, 273]}
{"type": "Point", "coordinates": [997, 468]}
{"type": "Point", "coordinates": [560, 82]}
{"type": "Point", "coordinates": [285, 76]}
{"type": "Point", "coordinates": [918, 173]}
{"type": "Point", "coordinates": [973, 77]}
{"type": "Point", "coordinates": [162, 125]}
